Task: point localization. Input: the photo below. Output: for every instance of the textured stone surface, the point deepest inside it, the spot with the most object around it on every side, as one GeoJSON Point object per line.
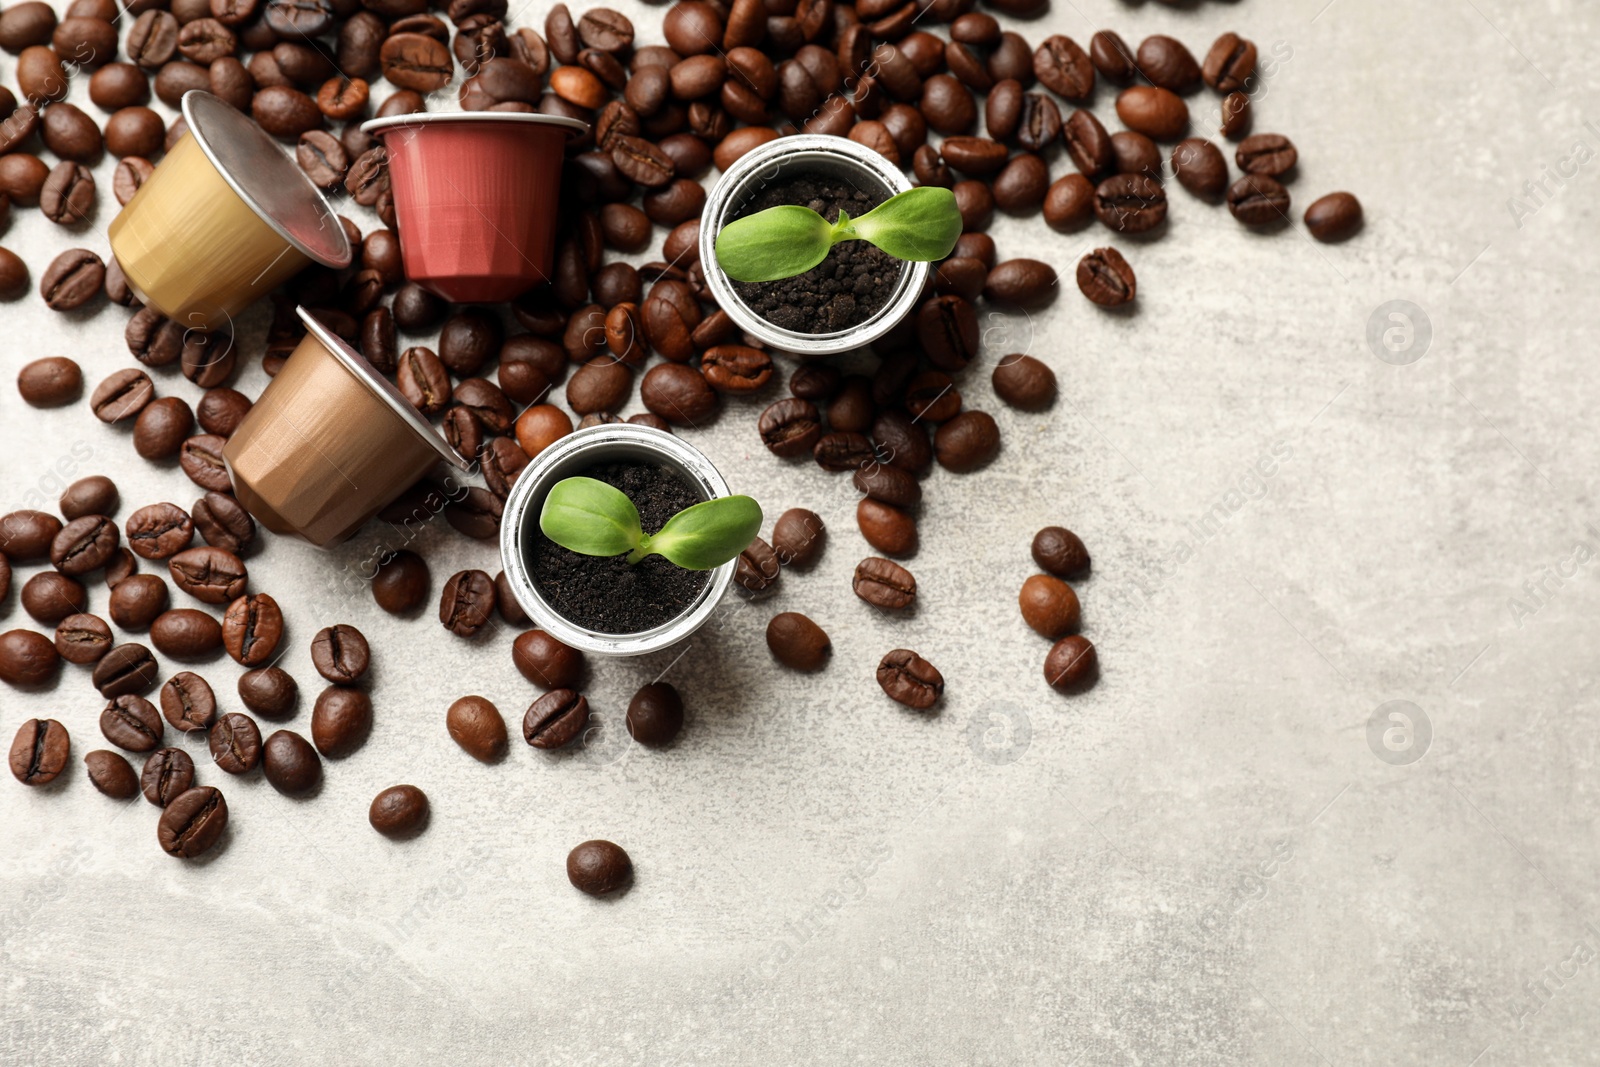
{"type": "Point", "coordinates": [1199, 861]}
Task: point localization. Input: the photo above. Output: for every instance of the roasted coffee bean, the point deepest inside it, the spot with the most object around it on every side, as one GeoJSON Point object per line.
{"type": "Point", "coordinates": [1257, 200]}
{"type": "Point", "coordinates": [402, 583]}
{"type": "Point", "coordinates": [843, 451]}
{"type": "Point", "coordinates": [137, 601]}
{"type": "Point", "coordinates": [887, 529]}
{"type": "Point", "coordinates": [193, 822]}
{"type": "Point", "coordinates": [290, 763]}
{"type": "Point", "coordinates": [423, 380]}
{"type": "Point", "coordinates": [600, 867]}
{"type": "Point", "coordinates": [159, 531]}
{"type": "Point", "coordinates": [541, 426]}
{"type": "Point", "coordinates": [285, 112]}
{"type": "Point", "coordinates": [269, 691]}
{"type": "Point", "coordinates": [851, 411]}
{"type": "Point", "coordinates": [468, 340]}
{"type": "Point", "coordinates": [910, 680]}
{"type": "Point", "coordinates": [556, 719]}
{"type": "Point", "coordinates": [463, 430]}
{"type": "Point", "coordinates": [930, 168]}
{"type": "Point", "coordinates": [23, 25]}
{"type": "Point", "coordinates": [757, 569]}
{"type": "Point", "coordinates": [1061, 552]}
{"type": "Point", "coordinates": [476, 513]}
{"type": "Point", "coordinates": [1230, 63]}
{"type": "Point", "coordinates": [975, 156]}
{"type": "Point", "coordinates": [41, 75]}
{"type": "Point", "coordinates": [1335, 217]}
{"type": "Point", "coordinates": [223, 523]}
{"type": "Point", "coordinates": [415, 61]}
{"type": "Point", "coordinates": [902, 442]}
{"type": "Point", "coordinates": [797, 642]}
{"type": "Point", "coordinates": [73, 278]}
{"type": "Point", "coordinates": [1020, 188]}
{"type": "Point", "coordinates": [545, 661]}
{"type": "Point", "coordinates": [1071, 663]}
{"type": "Point", "coordinates": [1153, 111]}
{"type": "Point", "coordinates": [84, 544]}
{"type": "Point", "coordinates": [1064, 68]}
{"type": "Point", "coordinates": [655, 714]}
{"type": "Point", "coordinates": [1235, 115]}
{"type": "Point", "coordinates": [1112, 57]}
{"type": "Point", "coordinates": [967, 442]}
{"type": "Point", "coordinates": [131, 173]}
{"type": "Point", "coordinates": [467, 602]}
{"type": "Point", "coordinates": [322, 158]}
{"type": "Point", "coordinates": [51, 596]}
{"type": "Point", "coordinates": [27, 658]}
{"type": "Point", "coordinates": [187, 702]}
{"type": "Point", "coordinates": [122, 395]}
{"type": "Point", "coordinates": [798, 537]}
{"type": "Point", "coordinates": [1105, 278]}
{"type": "Point", "coordinates": [252, 627]}
{"type": "Point", "coordinates": [1088, 143]}
{"type": "Point", "coordinates": [133, 131]}
{"type": "Point", "coordinates": [13, 274]}
{"type": "Point", "coordinates": [947, 329]}
{"type": "Point", "coordinates": [505, 601]}
{"type": "Point", "coordinates": [221, 410]}
{"type": "Point", "coordinates": [1200, 168]}
{"type": "Point", "coordinates": [790, 427]}
{"type": "Point", "coordinates": [113, 775]}
{"type": "Point", "coordinates": [201, 459]}
{"type": "Point", "coordinates": [1268, 154]}
{"type": "Point", "coordinates": [643, 162]}
{"type": "Point", "coordinates": [502, 461]}
{"type": "Point", "coordinates": [884, 584]}
{"type": "Point", "coordinates": [399, 811]}
{"type": "Point", "coordinates": [50, 382]}
{"type": "Point", "coordinates": [1069, 205]}
{"type": "Point", "coordinates": [601, 385]}
{"type": "Point", "coordinates": [960, 276]}
{"type": "Point", "coordinates": [153, 339]}
{"type": "Point", "coordinates": [1167, 63]}
{"type": "Point", "coordinates": [209, 574]}
{"type": "Point", "coordinates": [1025, 283]}
{"type": "Point", "coordinates": [341, 721]}
{"type": "Point", "coordinates": [340, 654]}
{"type": "Point", "coordinates": [82, 638]}
{"type": "Point", "coordinates": [814, 381]}
{"type": "Point", "coordinates": [184, 633]}
{"type": "Point", "coordinates": [40, 751]}
{"type": "Point", "coordinates": [476, 725]}
{"type": "Point", "coordinates": [735, 368]}
{"type": "Point", "coordinates": [1024, 382]}
{"type": "Point", "coordinates": [121, 566]}
{"type": "Point", "coordinates": [168, 773]}
{"type": "Point", "coordinates": [890, 485]}
{"type": "Point", "coordinates": [679, 394]}
{"type": "Point", "coordinates": [1048, 605]}
{"type": "Point", "coordinates": [132, 722]}
{"type": "Point", "coordinates": [1130, 203]}
{"type": "Point", "coordinates": [235, 743]}
{"type": "Point", "coordinates": [162, 428]}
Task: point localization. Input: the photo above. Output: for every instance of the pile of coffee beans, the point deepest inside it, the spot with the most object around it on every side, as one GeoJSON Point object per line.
{"type": "Point", "coordinates": [906, 79]}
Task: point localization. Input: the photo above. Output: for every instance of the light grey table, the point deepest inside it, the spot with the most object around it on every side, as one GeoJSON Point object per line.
{"type": "Point", "coordinates": [1210, 858]}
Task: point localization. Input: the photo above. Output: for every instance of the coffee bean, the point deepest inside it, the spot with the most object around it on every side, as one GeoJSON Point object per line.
{"type": "Point", "coordinates": [1071, 663]}
{"type": "Point", "coordinates": [1268, 154]}
{"type": "Point", "coordinates": [84, 544]}
{"type": "Point", "coordinates": [221, 410]}
{"type": "Point", "coordinates": [223, 522]}
{"type": "Point", "coordinates": [1112, 57]}
{"type": "Point", "coordinates": [1200, 168]}
{"type": "Point", "coordinates": [27, 658]}
{"type": "Point", "coordinates": [468, 340]}
{"type": "Point", "coordinates": [13, 274]}
{"type": "Point", "coordinates": [1061, 552]}
{"type": "Point", "coordinates": [1069, 205]}
{"type": "Point", "coordinates": [475, 724]}
{"type": "Point", "coordinates": [643, 162]}
{"type": "Point", "coordinates": [975, 156]}
{"type": "Point", "coordinates": [1167, 63]}
{"type": "Point", "coordinates": [131, 173]}
{"type": "Point", "coordinates": [132, 131]}
{"type": "Point", "coordinates": [290, 763]}
{"type": "Point", "coordinates": [1230, 63]}
{"type": "Point", "coordinates": [200, 457]}
{"type": "Point", "coordinates": [1153, 111]}
{"type": "Point", "coordinates": [184, 633]}
{"type": "Point", "coordinates": [888, 484]}
{"type": "Point", "coordinates": [132, 722]}
{"type": "Point", "coordinates": [1134, 153]}
{"type": "Point", "coordinates": [902, 442]}
{"type": "Point", "coordinates": [843, 451]}
{"type": "Point", "coordinates": [26, 24]}
{"type": "Point", "coordinates": [341, 721]}
{"type": "Point", "coordinates": [401, 583]}
{"type": "Point", "coordinates": [798, 537]}
{"type": "Point", "coordinates": [600, 867]}
{"type": "Point", "coordinates": [947, 329]}
{"type": "Point", "coordinates": [50, 597]}
{"type": "Point", "coordinates": [1335, 217]}
{"type": "Point", "coordinates": [815, 381]}
{"type": "Point", "coordinates": [655, 714]}
{"type": "Point", "coordinates": [252, 628]}
{"type": "Point", "coordinates": [910, 680]}
{"type": "Point", "coordinates": [735, 369]}
{"type": "Point", "coordinates": [159, 531]}
{"type": "Point", "coordinates": [340, 653]}
{"type": "Point", "coordinates": [545, 661]}
{"type": "Point", "coordinates": [235, 743]}
{"type": "Point", "coordinates": [1020, 188]}
{"type": "Point", "coordinates": [269, 691]}
{"type": "Point", "coordinates": [82, 638]}
{"type": "Point", "coordinates": [1235, 115]}
{"type": "Point", "coordinates": [967, 442]}
{"type": "Point", "coordinates": [211, 575]}
{"type": "Point", "coordinates": [113, 775]}
{"type": "Point", "coordinates": [884, 584]}
{"type": "Point", "coordinates": [1024, 283]}
{"type": "Point", "coordinates": [50, 382]}
{"type": "Point", "coordinates": [162, 428]}
{"type": "Point", "coordinates": [797, 642]}
{"type": "Point", "coordinates": [168, 773]}
{"type": "Point", "coordinates": [1257, 200]}
{"type": "Point", "coordinates": [193, 822]}
{"type": "Point", "coordinates": [67, 197]}
{"type": "Point", "coordinates": [1088, 143]}
{"type": "Point", "coordinates": [1048, 605]}
{"type": "Point", "coordinates": [556, 719]}
{"type": "Point", "coordinates": [1064, 68]}
{"type": "Point", "coordinates": [757, 568]}
{"type": "Point", "coordinates": [679, 394]}
{"type": "Point", "coordinates": [40, 751]}
{"type": "Point", "coordinates": [137, 601]}
{"type": "Point", "coordinates": [1024, 382]}
{"type": "Point", "coordinates": [73, 278]}
{"type": "Point", "coordinates": [467, 602]}
{"type": "Point", "coordinates": [1130, 203]}
{"type": "Point", "coordinates": [1105, 278]}
{"type": "Point", "coordinates": [122, 395]}
{"type": "Point", "coordinates": [887, 529]}
{"type": "Point", "coordinates": [790, 427]}
{"type": "Point", "coordinates": [398, 811]}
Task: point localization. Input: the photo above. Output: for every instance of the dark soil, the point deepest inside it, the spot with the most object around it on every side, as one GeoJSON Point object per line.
{"type": "Point", "coordinates": [607, 593]}
{"type": "Point", "coordinates": [847, 288]}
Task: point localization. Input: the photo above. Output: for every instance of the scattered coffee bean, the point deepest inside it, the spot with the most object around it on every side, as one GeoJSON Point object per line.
{"type": "Point", "coordinates": [290, 763]}
{"type": "Point", "coordinates": [402, 582]}
{"type": "Point", "coordinates": [82, 638]}
{"type": "Point", "coordinates": [50, 382]}
{"type": "Point", "coordinates": [655, 714]}
{"type": "Point", "coordinates": [1061, 552]}
{"type": "Point", "coordinates": [193, 822]}
{"type": "Point", "coordinates": [223, 522]}
{"type": "Point", "coordinates": [1335, 217]}
{"type": "Point", "coordinates": [884, 584]}
{"type": "Point", "coordinates": [94, 495]}
{"type": "Point", "coordinates": [137, 601]}
{"type": "Point", "coordinates": [1106, 279]}
{"type": "Point", "coordinates": [600, 867]}
{"type": "Point", "coordinates": [467, 602]}
{"type": "Point", "coordinates": [122, 395]}
{"type": "Point", "coordinates": [545, 661]}
{"type": "Point", "coordinates": [398, 811]}
{"type": "Point", "coordinates": [1024, 382]}
{"type": "Point", "coordinates": [1071, 663]}
{"type": "Point", "coordinates": [27, 658]}
{"type": "Point", "coordinates": [1048, 605]}
{"type": "Point", "coordinates": [341, 719]}
{"type": "Point", "coordinates": [125, 670]}
{"type": "Point", "coordinates": [797, 642]}
{"type": "Point", "coordinates": [211, 575]}
{"type": "Point", "coordinates": [184, 633]}
{"type": "Point", "coordinates": [40, 751]}
{"type": "Point", "coordinates": [758, 568]}
{"type": "Point", "coordinates": [235, 743]}
{"type": "Point", "coordinates": [168, 773]}
{"type": "Point", "coordinates": [188, 702]}
{"type": "Point", "coordinates": [798, 537]}
{"type": "Point", "coordinates": [340, 653]}
{"type": "Point", "coordinates": [50, 597]}
{"type": "Point", "coordinates": [1269, 154]}
{"type": "Point", "coordinates": [132, 722]}
{"type": "Point", "coordinates": [967, 442]}
{"type": "Point", "coordinates": [477, 726]}
{"type": "Point", "coordinates": [1257, 200]}
{"type": "Point", "coordinates": [159, 531]}
{"type": "Point", "coordinates": [112, 774]}
{"type": "Point", "coordinates": [252, 628]}
{"type": "Point", "coordinates": [887, 529]}
{"type": "Point", "coordinates": [910, 680]}
{"type": "Point", "coordinates": [556, 719]}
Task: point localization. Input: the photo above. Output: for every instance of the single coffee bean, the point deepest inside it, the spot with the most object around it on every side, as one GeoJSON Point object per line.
{"type": "Point", "coordinates": [162, 428]}
{"type": "Point", "coordinates": [211, 575]}
{"type": "Point", "coordinates": [188, 702]}
{"type": "Point", "coordinates": [947, 329]}
{"type": "Point", "coordinates": [890, 485]}
{"type": "Point", "coordinates": [843, 451]}
{"type": "Point", "coordinates": [341, 719]}
{"type": "Point", "coordinates": [252, 627]}
{"type": "Point", "coordinates": [1257, 200]}
{"type": "Point", "coordinates": [112, 774]}
{"type": "Point", "coordinates": [1112, 57]}
{"type": "Point", "coordinates": [545, 661]}
{"type": "Point", "coordinates": [815, 381]}
{"type": "Point", "coordinates": [679, 394]}
{"type": "Point", "coordinates": [1335, 217]}
{"type": "Point", "coordinates": [159, 531]}
{"type": "Point", "coordinates": [902, 442]}
{"type": "Point", "coordinates": [736, 368]}
{"type": "Point", "coordinates": [467, 602]}
{"type": "Point", "coordinates": [84, 544]}
{"type": "Point", "coordinates": [94, 495]}
{"type": "Point", "coordinates": [137, 601]}
{"type": "Point", "coordinates": [884, 584]}
{"type": "Point", "coordinates": [398, 811]}
{"type": "Point", "coordinates": [967, 442]}
{"type": "Point", "coordinates": [757, 569]}
{"type": "Point", "coordinates": [168, 773]}
{"type": "Point", "coordinates": [1268, 154]}
{"type": "Point", "coordinates": [978, 157]}
{"type": "Point", "coordinates": [235, 743]}
{"type": "Point", "coordinates": [1153, 111]}
{"type": "Point", "coordinates": [600, 867]}
{"type": "Point", "coordinates": [290, 763]}
{"type": "Point", "coordinates": [50, 382]}
{"type": "Point", "coordinates": [1134, 153]}
{"type": "Point", "coordinates": [131, 722]}
{"type": "Point", "coordinates": [193, 822]}
{"type": "Point", "coordinates": [221, 410]}
{"type": "Point", "coordinates": [1061, 552]}
{"type": "Point", "coordinates": [476, 513]}
{"type": "Point", "coordinates": [910, 680]}
{"type": "Point", "coordinates": [797, 642]}
{"type": "Point", "coordinates": [51, 596]}
{"type": "Point", "coordinates": [1200, 168]}
{"type": "Point", "coordinates": [340, 654]}
{"type": "Point", "coordinates": [1049, 605]}
{"type": "Point", "coordinates": [223, 522]}
{"type": "Point", "coordinates": [791, 427]}
{"type": "Point", "coordinates": [1024, 382]}
{"type": "Point", "coordinates": [1025, 283]}
{"type": "Point", "coordinates": [1230, 63]}
{"type": "Point", "coordinates": [556, 719]}
{"type": "Point", "coordinates": [1071, 663]}
{"type": "Point", "coordinates": [798, 537]}
{"type": "Point", "coordinates": [1088, 143]}
{"type": "Point", "coordinates": [655, 714]}
{"type": "Point", "coordinates": [201, 459]}
{"type": "Point", "coordinates": [82, 638]}
{"type": "Point", "coordinates": [73, 278]}
{"type": "Point", "coordinates": [1105, 278]}
{"type": "Point", "coordinates": [13, 274]}
{"type": "Point", "coordinates": [39, 751]}
{"type": "Point", "coordinates": [67, 196]}
{"type": "Point", "coordinates": [1020, 188]}
{"type": "Point", "coordinates": [887, 529]}
{"type": "Point", "coordinates": [541, 426]}
{"type": "Point", "coordinates": [132, 131]}
{"type": "Point", "coordinates": [122, 395]}
{"type": "Point", "coordinates": [1130, 203]}
{"type": "Point", "coordinates": [401, 583]}
{"type": "Point", "coordinates": [1064, 68]}
{"type": "Point", "coordinates": [1167, 63]}
{"type": "Point", "coordinates": [184, 633]}
{"type": "Point", "coordinates": [27, 658]}
{"type": "Point", "coordinates": [26, 24]}
{"type": "Point", "coordinates": [131, 173]}
{"type": "Point", "coordinates": [269, 691]}
{"type": "Point", "coordinates": [476, 725]}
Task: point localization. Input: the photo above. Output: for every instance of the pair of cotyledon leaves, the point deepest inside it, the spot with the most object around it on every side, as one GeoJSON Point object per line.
{"type": "Point", "coordinates": [592, 518]}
